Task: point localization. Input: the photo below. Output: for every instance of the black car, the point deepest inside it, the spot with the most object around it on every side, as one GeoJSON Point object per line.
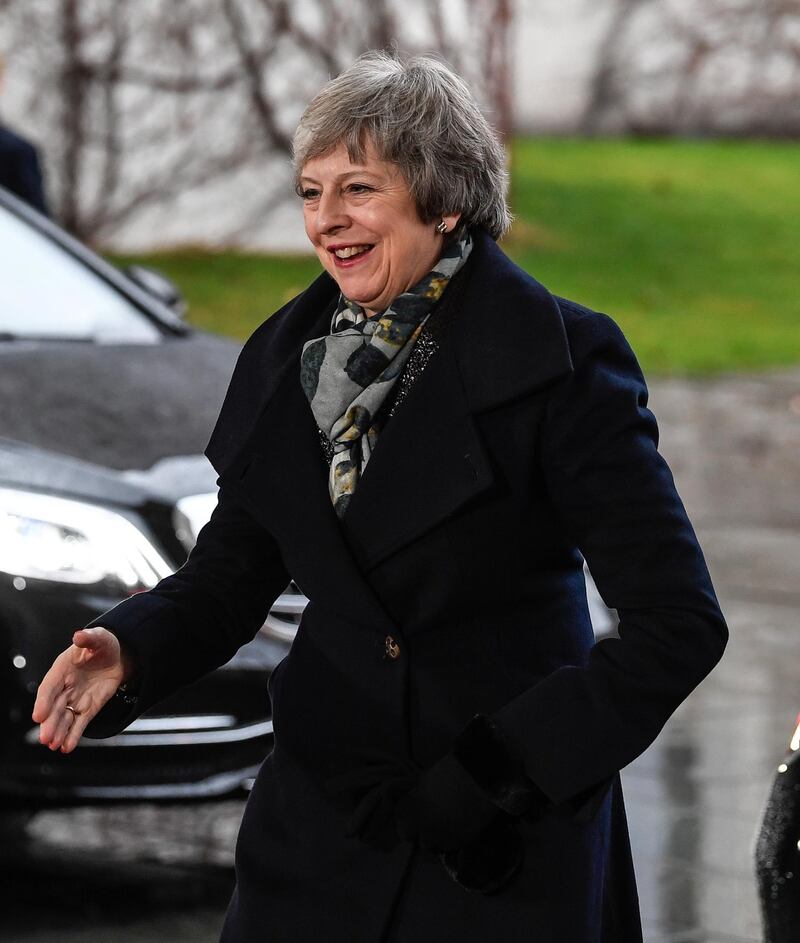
{"type": "Point", "coordinates": [107, 399]}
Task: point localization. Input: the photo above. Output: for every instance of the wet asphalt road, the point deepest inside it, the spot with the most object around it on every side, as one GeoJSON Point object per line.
{"type": "Point", "coordinates": [694, 799]}
{"type": "Point", "coordinates": [139, 873]}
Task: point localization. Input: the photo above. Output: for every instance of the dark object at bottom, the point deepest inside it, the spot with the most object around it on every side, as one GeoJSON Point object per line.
{"type": "Point", "coordinates": [777, 857]}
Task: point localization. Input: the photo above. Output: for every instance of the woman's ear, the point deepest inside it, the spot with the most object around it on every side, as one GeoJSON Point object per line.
{"type": "Point", "coordinates": [451, 221]}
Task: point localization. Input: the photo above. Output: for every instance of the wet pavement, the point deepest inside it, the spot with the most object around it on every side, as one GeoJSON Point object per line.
{"type": "Point", "coordinates": [122, 874]}
{"type": "Point", "coordinates": [694, 799]}
{"type": "Point", "coordinates": [696, 796]}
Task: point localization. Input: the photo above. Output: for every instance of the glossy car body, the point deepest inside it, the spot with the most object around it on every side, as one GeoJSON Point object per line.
{"type": "Point", "coordinates": [106, 402]}
{"type": "Point", "coordinates": [777, 850]}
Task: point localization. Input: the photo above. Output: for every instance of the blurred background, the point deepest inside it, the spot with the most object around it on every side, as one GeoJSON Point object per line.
{"type": "Point", "coordinates": [166, 126]}
{"type": "Point", "coordinates": [655, 167]}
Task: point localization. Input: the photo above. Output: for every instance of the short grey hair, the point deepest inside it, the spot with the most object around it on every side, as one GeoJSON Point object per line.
{"type": "Point", "coordinates": [422, 117]}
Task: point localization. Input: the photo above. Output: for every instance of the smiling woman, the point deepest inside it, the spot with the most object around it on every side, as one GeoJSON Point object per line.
{"type": "Point", "coordinates": [422, 432]}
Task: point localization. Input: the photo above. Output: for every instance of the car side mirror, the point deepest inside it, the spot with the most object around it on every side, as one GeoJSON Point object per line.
{"type": "Point", "coordinates": [159, 286]}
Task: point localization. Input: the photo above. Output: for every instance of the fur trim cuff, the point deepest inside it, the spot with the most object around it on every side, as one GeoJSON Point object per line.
{"type": "Point", "coordinates": [483, 751]}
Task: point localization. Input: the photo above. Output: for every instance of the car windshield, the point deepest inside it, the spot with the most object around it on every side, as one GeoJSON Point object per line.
{"type": "Point", "coordinates": [46, 293]}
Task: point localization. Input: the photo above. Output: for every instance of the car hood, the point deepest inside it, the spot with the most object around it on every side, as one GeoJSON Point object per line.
{"type": "Point", "coordinates": [116, 407]}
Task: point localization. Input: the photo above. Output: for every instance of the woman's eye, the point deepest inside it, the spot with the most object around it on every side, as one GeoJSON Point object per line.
{"type": "Point", "coordinates": [309, 193]}
{"type": "Point", "coordinates": [359, 188]}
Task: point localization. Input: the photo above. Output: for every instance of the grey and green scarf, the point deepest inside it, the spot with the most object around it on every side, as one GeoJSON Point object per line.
{"type": "Point", "coordinates": [348, 374]}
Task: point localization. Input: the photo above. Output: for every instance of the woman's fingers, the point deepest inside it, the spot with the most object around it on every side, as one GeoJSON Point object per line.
{"type": "Point", "coordinates": [85, 711]}
{"type": "Point", "coordinates": [75, 731]}
{"type": "Point", "coordinates": [60, 676]}
{"type": "Point", "coordinates": [57, 723]}
{"type": "Point", "coordinates": [62, 728]}
{"type": "Point", "coordinates": [83, 677]}
{"type": "Point", "coordinates": [65, 726]}
{"type": "Point", "coordinates": [87, 707]}
{"type": "Point", "coordinates": [52, 685]}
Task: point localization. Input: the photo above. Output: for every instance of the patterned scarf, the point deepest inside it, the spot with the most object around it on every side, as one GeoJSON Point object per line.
{"type": "Point", "coordinates": [348, 374]}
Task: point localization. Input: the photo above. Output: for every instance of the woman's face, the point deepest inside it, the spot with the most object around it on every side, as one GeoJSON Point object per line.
{"type": "Point", "coordinates": [363, 223]}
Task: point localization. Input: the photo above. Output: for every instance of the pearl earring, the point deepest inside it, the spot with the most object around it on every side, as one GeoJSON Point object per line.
{"type": "Point", "coordinates": [441, 228]}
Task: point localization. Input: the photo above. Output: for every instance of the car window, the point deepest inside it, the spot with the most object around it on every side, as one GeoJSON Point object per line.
{"type": "Point", "coordinates": [46, 293]}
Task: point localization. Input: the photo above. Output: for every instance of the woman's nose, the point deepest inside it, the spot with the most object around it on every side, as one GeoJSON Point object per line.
{"type": "Point", "coordinates": [330, 214]}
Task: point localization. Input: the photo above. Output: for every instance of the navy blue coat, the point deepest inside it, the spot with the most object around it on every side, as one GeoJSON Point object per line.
{"type": "Point", "coordinates": [524, 445]}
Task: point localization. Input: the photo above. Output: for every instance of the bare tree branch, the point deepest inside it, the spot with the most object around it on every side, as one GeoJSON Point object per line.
{"type": "Point", "coordinates": [720, 77]}
{"type": "Point", "coordinates": [172, 84]}
{"type": "Point", "coordinates": [157, 192]}
{"type": "Point", "coordinates": [253, 72]}
{"type": "Point", "coordinates": [499, 66]}
{"type": "Point", "coordinates": [73, 78]}
{"type": "Point", "coordinates": [112, 150]}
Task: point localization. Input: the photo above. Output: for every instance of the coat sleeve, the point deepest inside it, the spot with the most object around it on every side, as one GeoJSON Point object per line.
{"type": "Point", "coordinates": [617, 500]}
{"type": "Point", "coordinates": [196, 619]}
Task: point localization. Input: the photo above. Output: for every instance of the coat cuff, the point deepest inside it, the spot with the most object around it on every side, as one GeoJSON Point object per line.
{"type": "Point", "coordinates": [482, 749]}
{"type": "Point", "coordinates": [120, 711]}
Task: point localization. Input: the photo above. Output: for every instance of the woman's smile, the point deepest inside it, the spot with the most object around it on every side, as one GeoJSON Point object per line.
{"type": "Point", "coordinates": [349, 256]}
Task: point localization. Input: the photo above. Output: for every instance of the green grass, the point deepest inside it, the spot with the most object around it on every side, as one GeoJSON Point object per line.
{"type": "Point", "coordinates": [231, 292]}
{"type": "Point", "coordinates": [692, 246]}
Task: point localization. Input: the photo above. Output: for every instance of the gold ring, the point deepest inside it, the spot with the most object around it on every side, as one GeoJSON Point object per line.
{"type": "Point", "coordinates": [72, 710]}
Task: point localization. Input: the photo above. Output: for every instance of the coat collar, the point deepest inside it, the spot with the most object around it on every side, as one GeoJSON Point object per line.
{"type": "Point", "coordinates": [506, 339]}
{"type": "Point", "coordinates": [509, 335]}
{"type": "Point", "coordinates": [269, 354]}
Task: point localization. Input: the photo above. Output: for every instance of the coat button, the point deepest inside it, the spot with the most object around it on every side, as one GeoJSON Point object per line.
{"type": "Point", "coordinates": [392, 648]}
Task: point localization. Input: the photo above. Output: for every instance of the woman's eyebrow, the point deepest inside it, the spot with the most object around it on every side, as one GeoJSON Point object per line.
{"type": "Point", "coordinates": [350, 173]}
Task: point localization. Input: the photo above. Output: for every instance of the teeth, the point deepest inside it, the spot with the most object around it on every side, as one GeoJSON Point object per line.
{"type": "Point", "coordinates": [350, 251]}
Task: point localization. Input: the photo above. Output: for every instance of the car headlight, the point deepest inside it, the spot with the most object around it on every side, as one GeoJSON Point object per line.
{"type": "Point", "coordinates": [67, 541]}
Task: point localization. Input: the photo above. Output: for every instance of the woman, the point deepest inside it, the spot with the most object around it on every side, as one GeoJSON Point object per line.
{"type": "Point", "coordinates": [428, 442]}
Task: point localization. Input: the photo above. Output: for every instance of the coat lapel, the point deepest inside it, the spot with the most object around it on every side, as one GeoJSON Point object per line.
{"type": "Point", "coordinates": [269, 355]}
{"type": "Point", "coordinates": [506, 340]}
{"type": "Point", "coordinates": [429, 461]}
{"type": "Point", "coordinates": [283, 476]}
{"type": "Point", "coordinates": [266, 446]}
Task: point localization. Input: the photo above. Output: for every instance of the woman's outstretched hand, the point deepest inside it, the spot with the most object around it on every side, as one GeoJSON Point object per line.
{"type": "Point", "coordinates": [81, 680]}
